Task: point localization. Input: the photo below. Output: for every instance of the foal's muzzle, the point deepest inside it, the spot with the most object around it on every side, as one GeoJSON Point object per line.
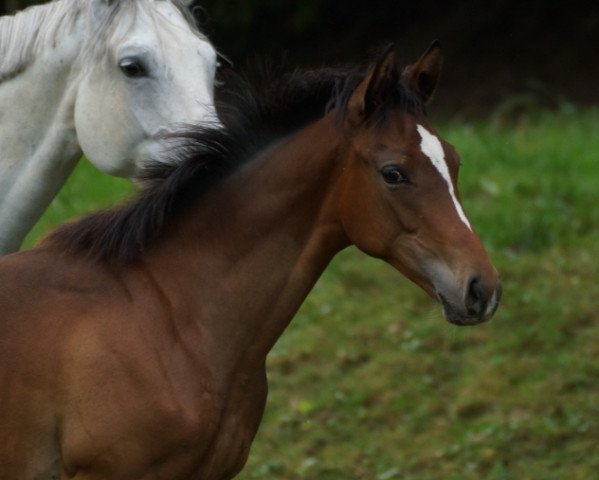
{"type": "Point", "coordinates": [479, 304]}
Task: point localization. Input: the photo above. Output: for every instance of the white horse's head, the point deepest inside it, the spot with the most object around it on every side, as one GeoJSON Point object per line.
{"type": "Point", "coordinates": [147, 69]}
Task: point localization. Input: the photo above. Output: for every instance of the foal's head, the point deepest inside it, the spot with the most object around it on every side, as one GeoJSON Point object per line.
{"type": "Point", "coordinates": [399, 199]}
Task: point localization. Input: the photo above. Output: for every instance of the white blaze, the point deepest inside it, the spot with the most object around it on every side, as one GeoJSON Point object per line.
{"type": "Point", "coordinates": [432, 148]}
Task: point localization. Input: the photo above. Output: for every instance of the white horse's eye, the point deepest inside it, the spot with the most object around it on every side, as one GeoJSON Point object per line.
{"type": "Point", "coordinates": [132, 68]}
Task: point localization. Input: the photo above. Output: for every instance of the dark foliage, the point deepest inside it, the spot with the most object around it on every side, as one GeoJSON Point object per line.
{"type": "Point", "coordinates": [542, 49]}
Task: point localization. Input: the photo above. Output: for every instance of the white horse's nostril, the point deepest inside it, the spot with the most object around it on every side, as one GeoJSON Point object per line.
{"type": "Point", "coordinates": [161, 133]}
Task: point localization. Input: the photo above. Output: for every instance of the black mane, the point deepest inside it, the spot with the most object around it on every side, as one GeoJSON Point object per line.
{"type": "Point", "coordinates": [202, 156]}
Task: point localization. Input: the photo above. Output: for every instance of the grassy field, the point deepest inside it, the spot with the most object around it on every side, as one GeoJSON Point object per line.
{"type": "Point", "coordinates": [369, 382]}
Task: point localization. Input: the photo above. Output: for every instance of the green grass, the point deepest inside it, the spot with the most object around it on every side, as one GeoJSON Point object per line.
{"type": "Point", "coordinates": [369, 382]}
{"type": "Point", "coordinates": [85, 191]}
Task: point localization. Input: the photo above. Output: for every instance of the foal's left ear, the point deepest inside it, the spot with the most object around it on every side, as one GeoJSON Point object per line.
{"type": "Point", "coordinates": [422, 76]}
{"type": "Point", "coordinates": [374, 90]}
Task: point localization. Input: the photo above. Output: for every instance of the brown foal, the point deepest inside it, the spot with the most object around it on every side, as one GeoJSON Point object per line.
{"type": "Point", "coordinates": [133, 342]}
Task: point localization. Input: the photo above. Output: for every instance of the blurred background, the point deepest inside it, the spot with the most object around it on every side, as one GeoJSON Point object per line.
{"type": "Point", "coordinates": [493, 49]}
{"type": "Point", "coordinates": [545, 50]}
{"type": "Point", "coordinates": [369, 382]}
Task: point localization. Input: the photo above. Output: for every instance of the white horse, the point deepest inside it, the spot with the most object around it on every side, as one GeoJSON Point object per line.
{"type": "Point", "coordinates": [101, 77]}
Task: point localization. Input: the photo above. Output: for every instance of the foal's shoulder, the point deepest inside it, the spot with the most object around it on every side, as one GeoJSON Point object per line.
{"type": "Point", "coordinates": [42, 271]}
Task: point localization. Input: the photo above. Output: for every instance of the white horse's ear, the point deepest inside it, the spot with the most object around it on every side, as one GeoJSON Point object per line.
{"type": "Point", "coordinates": [98, 4]}
{"type": "Point", "coordinates": [100, 8]}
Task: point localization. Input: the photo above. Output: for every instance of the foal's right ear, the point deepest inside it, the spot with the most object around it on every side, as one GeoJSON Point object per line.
{"type": "Point", "coordinates": [374, 91]}
{"type": "Point", "coordinates": [422, 77]}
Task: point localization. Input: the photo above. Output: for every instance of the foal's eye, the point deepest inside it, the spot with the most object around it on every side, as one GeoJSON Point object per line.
{"type": "Point", "coordinates": [132, 68]}
{"type": "Point", "coordinates": [393, 175]}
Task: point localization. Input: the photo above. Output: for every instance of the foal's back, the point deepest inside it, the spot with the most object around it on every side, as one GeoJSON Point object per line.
{"type": "Point", "coordinates": [93, 381]}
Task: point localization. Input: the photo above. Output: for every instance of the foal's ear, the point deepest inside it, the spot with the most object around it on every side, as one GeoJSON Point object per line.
{"type": "Point", "coordinates": [381, 82]}
{"type": "Point", "coordinates": [422, 76]}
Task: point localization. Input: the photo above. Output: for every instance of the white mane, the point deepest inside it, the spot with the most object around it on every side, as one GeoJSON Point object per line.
{"type": "Point", "coordinates": [28, 33]}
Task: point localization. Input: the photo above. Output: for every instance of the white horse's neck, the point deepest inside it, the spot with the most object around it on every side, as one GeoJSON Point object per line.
{"type": "Point", "coordinates": [38, 142]}
{"type": "Point", "coordinates": [66, 87]}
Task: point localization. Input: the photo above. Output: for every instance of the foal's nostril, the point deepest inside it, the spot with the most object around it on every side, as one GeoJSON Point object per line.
{"type": "Point", "coordinates": [476, 299]}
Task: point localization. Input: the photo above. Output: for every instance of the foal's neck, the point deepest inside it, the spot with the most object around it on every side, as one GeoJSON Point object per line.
{"type": "Point", "coordinates": [245, 259]}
